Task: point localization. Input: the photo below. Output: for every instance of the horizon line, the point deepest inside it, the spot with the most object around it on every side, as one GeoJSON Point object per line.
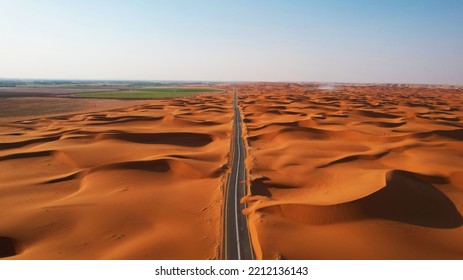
{"type": "Point", "coordinates": [230, 81]}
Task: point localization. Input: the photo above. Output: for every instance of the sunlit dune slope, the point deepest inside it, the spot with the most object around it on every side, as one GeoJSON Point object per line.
{"type": "Point", "coordinates": [143, 182]}
{"type": "Point", "coordinates": [358, 172]}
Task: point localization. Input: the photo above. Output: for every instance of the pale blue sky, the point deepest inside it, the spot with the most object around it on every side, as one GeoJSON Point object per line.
{"type": "Point", "coordinates": [328, 41]}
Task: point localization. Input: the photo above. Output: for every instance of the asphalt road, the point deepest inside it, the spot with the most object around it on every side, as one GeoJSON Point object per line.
{"type": "Point", "coordinates": [237, 244]}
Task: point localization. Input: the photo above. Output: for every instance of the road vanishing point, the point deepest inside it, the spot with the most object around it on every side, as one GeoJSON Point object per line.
{"type": "Point", "coordinates": [237, 244]}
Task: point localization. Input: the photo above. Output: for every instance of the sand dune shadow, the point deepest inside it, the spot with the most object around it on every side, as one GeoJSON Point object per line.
{"type": "Point", "coordinates": [409, 200]}
{"type": "Point", "coordinates": [7, 247]}
{"type": "Point", "coordinates": [405, 199]}
{"type": "Point", "coordinates": [187, 139]}
{"type": "Point", "coordinates": [262, 186]}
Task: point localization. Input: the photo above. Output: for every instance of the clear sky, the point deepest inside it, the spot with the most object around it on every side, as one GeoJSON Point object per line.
{"type": "Point", "coordinates": [407, 41]}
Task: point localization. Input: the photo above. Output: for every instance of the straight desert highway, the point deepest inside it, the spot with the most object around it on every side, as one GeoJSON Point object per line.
{"type": "Point", "coordinates": [237, 245]}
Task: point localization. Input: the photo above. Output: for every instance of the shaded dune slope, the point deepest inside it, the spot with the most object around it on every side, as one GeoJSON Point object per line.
{"type": "Point", "coordinates": [404, 199]}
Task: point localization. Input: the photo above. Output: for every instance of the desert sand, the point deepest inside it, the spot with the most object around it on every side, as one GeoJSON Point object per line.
{"type": "Point", "coordinates": [354, 172]}
{"type": "Point", "coordinates": [141, 182]}
{"type": "Point", "coordinates": [23, 108]}
{"type": "Point", "coordinates": [344, 172]}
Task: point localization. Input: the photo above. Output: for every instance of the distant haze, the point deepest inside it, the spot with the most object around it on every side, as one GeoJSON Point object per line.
{"type": "Point", "coordinates": [328, 41]}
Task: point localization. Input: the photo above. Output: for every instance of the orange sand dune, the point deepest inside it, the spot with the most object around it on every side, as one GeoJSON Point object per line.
{"type": "Point", "coordinates": [142, 182]}
{"type": "Point", "coordinates": [357, 172]}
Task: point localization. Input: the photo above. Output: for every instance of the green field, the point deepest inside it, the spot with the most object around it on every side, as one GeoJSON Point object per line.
{"type": "Point", "coordinates": [187, 90]}
{"type": "Point", "coordinates": [148, 93]}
